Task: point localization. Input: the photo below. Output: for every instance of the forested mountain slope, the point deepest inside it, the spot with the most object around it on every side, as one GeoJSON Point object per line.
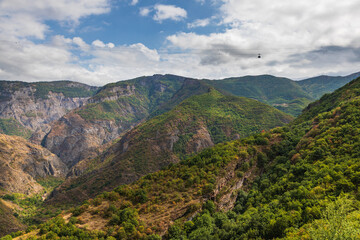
{"type": "Point", "coordinates": [318, 86]}
{"type": "Point", "coordinates": [197, 123]}
{"type": "Point", "coordinates": [282, 93]}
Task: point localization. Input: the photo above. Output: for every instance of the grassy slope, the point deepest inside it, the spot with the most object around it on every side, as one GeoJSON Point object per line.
{"type": "Point", "coordinates": [8, 223]}
{"type": "Point", "coordinates": [68, 88]}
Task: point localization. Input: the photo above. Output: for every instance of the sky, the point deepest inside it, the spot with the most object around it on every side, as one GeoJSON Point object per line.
{"type": "Point", "coordinates": [102, 41]}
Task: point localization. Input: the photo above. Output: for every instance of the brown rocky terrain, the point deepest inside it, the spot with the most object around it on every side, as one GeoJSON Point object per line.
{"type": "Point", "coordinates": [22, 163]}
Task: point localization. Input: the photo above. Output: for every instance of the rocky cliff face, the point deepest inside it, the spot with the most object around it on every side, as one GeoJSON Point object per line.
{"type": "Point", "coordinates": [72, 138]}
{"type": "Point", "coordinates": [115, 109]}
{"type": "Point", "coordinates": [36, 105]}
{"type": "Point", "coordinates": [22, 163]}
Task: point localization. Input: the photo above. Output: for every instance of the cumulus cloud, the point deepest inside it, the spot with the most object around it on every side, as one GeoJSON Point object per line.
{"type": "Point", "coordinates": [163, 12]}
{"type": "Point", "coordinates": [104, 63]}
{"type": "Point", "coordinates": [295, 38]}
{"type": "Point", "coordinates": [22, 18]}
{"type": "Point", "coordinates": [100, 44]}
{"type": "Point", "coordinates": [145, 11]}
{"type": "Point", "coordinates": [199, 23]}
{"type": "Point", "coordinates": [284, 32]}
{"type": "Point", "coordinates": [134, 2]}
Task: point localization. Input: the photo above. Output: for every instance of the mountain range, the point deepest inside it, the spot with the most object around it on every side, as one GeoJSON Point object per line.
{"type": "Point", "coordinates": [172, 152]}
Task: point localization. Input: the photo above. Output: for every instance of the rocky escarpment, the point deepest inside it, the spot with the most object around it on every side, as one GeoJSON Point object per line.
{"type": "Point", "coordinates": [72, 138]}
{"type": "Point", "coordinates": [36, 105]}
{"type": "Point", "coordinates": [22, 163]}
{"type": "Point", "coordinates": [115, 109]}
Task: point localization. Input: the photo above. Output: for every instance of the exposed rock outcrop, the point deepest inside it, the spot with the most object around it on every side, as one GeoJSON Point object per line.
{"type": "Point", "coordinates": [36, 105]}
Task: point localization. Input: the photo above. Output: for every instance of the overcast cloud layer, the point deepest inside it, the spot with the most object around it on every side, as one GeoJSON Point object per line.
{"type": "Point", "coordinates": [296, 39]}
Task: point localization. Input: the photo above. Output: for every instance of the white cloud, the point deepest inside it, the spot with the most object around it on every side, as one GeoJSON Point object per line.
{"type": "Point", "coordinates": [145, 11]}
{"type": "Point", "coordinates": [134, 2]}
{"type": "Point", "coordinates": [163, 12]}
{"type": "Point", "coordinates": [199, 23]}
{"type": "Point", "coordinates": [22, 18]}
{"type": "Point", "coordinates": [100, 44]}
{"type": "Point", "coordinates": [202, 2]}
{"type": "Point", "coordinates": [62, 10]}
{"type": "Point", "coordinates": [79, 42]}
{"type": "Point", "coordinates": [289, 35]}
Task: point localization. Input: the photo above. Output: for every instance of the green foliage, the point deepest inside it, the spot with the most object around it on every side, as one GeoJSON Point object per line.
{"type": "Point", "coordinates": [31, 209]}
{"type": "Point", "coordinates": [7, 237]}
{"type": "Point", "coordinates": [50, 182]}
{"type": "Point", "coordinates": [57, 228]}
{"type": "Point", "coordinates": [340, 220]}
{"type": "Point", "coordinates": [12, 127]}
{"type": "Point", "coordinates": [304, 172]}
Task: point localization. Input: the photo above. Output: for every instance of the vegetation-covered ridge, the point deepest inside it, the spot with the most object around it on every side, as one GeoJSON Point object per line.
{"type": "Point", "coordinates": [146, 92]}
{"type": "Point", "coordinates": [282, 93]}
{"type": "Point", "coordinates": [42, 89]}
{"type": "Point", "coordinates": [197, 123]}
{"type": "Point", "coordinates": [318, 86]}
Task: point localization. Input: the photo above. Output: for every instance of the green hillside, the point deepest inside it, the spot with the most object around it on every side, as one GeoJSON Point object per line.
{"type": "Point", "coordinates": [190, 87]}
{"type": "Point", "coordinates": [198, 122]}
{"type": "Point", "coordinates": [281, 93]}
{"type": "Point", "coordinates": [132, 100]}
{"type": "Point", "coordinates": [318, 86]}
